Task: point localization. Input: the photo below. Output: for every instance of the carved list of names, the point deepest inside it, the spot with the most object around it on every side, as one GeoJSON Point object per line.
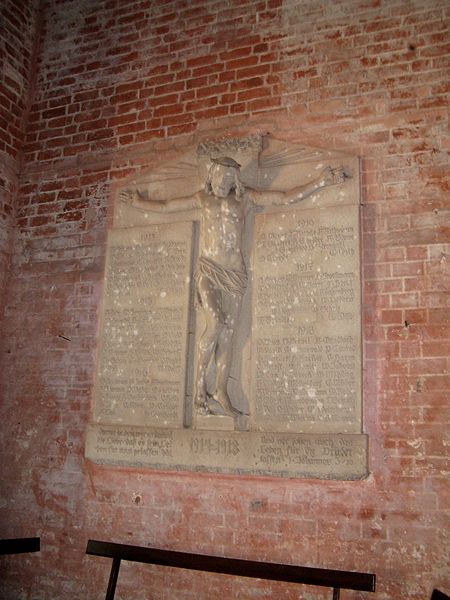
{"type": "Point", "coordinates": [141, 372]}
{"type": "Point", "coordinates": [306, 344]}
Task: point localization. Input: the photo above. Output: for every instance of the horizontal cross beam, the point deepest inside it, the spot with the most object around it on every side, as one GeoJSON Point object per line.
{"type": "Point", "coordinates": [20, 545]}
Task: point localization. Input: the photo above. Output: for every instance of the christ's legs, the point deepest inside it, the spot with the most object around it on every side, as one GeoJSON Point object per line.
{"type": "Point", "coordinates": [212, 307]}
{"type": "Point", "coordinates": [224, 356]}
{"type": "Point", "coordinates": [215, 343]}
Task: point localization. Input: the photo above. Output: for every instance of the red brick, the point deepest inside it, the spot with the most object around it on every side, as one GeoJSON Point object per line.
{"type": "Point", "coordinates": [416, 316]}
{"type": "Point", "coordinates": [170, 88]}
{"type": "Point", "coordinates": [122, 119]}
{"type": "Point", "coordinates": [181, 129]}
{"type": "Point", "coordinates": [54, 112]}
{"type": "Point", "coordinates": [240, 63]}
{"type": "Point", "coordinates": [214, 90]}
{"type": "Point", "coordinates": [148, 135]}
{"type": "Point", "coordinates": [207, 70]}
{"type": "Point", "coordinates": [262, 92]}
{"type": "Point", "coordinates": [263, 104]}
{"type": "Point", "coordinates": [41, 220]}
{"type": "Point", "coordinates": [200, 61]}
{"type": "Point", "coordinates": [430, 366]}
{"type": "Point", "coordinates": [251, 72]}
{"type": "Point", "coordinates": [172, 109]}
{"type": "Point", "coordinates": [177, 119]}
{"type": "Point", "coordinates": [130, 128]}
{"type": "Point", "coordinates": [412, 269]}
{"type": "Point", "coordinates": [165, 100]}
{"type": "Point", "coordinates": [212, 113]}
{"type": "Point", "coordinates": [240, 107]}
{"type": "Point", "coordinates": [392, 316]}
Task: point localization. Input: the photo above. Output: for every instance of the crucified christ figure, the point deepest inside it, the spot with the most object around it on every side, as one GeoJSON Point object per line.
{"type": "Point", "coordinates": [221, 276]}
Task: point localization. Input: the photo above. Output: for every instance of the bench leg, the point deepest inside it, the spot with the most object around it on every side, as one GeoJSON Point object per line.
{"type": "Point", "coordinates": [113, 579]}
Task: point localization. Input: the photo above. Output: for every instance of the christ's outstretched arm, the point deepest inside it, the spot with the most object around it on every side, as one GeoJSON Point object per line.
{"type": "Point", "coordinates": [329, 176]}
{"type": "Point", "coordinates": [140, 200]}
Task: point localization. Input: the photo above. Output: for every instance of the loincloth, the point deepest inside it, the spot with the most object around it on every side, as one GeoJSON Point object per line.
{"type": "Point", "coordinates": [228, 280]}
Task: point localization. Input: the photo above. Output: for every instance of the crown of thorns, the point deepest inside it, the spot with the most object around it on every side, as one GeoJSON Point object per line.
{"type": "Point", "coordinates": [226, 161]}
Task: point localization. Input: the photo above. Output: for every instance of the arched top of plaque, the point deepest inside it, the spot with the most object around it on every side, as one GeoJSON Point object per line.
{"type": "Point", "coordinates": [266, 163]}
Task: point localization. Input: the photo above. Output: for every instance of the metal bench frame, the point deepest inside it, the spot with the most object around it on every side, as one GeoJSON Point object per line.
{"type": "Point", "coordinates": [20, 545]}
{"type": "Point", "coordinates": [231, 566]}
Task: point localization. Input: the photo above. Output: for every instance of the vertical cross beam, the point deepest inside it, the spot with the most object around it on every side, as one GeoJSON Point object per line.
{"type": "Point", "coordinates": [113, 579]}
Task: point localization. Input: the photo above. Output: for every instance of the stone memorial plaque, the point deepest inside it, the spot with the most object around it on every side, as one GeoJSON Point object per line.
{"type": "Point", "coordinates": [320, 456]}
{"type": "Point", "coordinates": [141, 373]}
{"type": "Point", "coordinates": [306, 357]}
{"type": "Point", "coordinates": [230, 334]}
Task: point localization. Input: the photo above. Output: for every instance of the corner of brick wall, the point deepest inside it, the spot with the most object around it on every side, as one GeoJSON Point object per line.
{"type": "Point", "coordinates": [17, 45]}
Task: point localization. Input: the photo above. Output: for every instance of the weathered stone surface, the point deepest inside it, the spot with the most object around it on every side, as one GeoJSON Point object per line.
{"type": "Point", "coordinates": [306, 358]}
{"type": "Point", "coordinates": [270, 363]}
{"type": "Point", "coordinates": [144, 334]}
{"type": "Point", "coordinates": [306, 455]}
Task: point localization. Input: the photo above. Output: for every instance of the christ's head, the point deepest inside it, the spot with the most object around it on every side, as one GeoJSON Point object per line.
{"type": "Point", "coordinates": [223, 178]}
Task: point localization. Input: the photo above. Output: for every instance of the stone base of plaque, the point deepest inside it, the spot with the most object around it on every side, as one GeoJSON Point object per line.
{"type": "Point", "coordinates": [215, 422]}
{"type": "Point", "coordinates": [320, 456]}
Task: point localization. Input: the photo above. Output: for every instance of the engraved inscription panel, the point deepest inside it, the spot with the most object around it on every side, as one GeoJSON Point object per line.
{"type": "Point", "coordinates": [306, 321]}
{"type": "Point", "coordinates": [141, 371]}
{"type": "Point", "coordinates": [324, 456]}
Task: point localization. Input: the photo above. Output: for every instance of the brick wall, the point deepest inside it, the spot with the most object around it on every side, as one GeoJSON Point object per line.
{"type": "Point", "coordinates": [17, 39]}
{"type": "Point", "coordinates": [119, 83]}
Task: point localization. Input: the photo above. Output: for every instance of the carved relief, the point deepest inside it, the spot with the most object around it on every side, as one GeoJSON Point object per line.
{"type": "Point", "coordinates": [253, 324]}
